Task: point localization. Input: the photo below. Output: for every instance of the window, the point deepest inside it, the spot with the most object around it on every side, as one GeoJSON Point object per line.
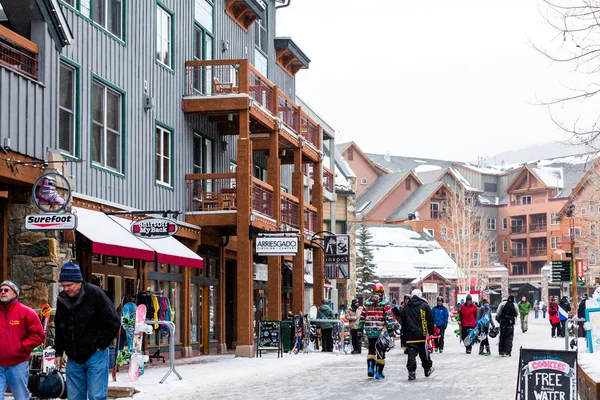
{"type": "Point", "coordinates": [108, 14]}
{"type": "Point", "coordinates": [492, 247]}
{"type": "Point", "coordinates": [592, 229]}
{"type": "Point", "coordinates": [434, 210]}
{"type": "Point", "coordinates": [490, 187]}
{"type": "Point", "coordinates": [363, 181]}
{"type": "Point", "coordinates": [577, 231]}
{"type": "Point", "coordinates": [107, 126]}
{"type": "Point", "coordinates": [203, 14]}
{"type": "Point", "coordinates": [452, 256]}
{"type": "Point", "coordinates": [505, 223]}
{"type": "Point", "coordinates": [592, 258]}
{"type": "Point", "coordinates": [526, 200]}
{"type": "Point", "coordinates": [491, 224]}
{"type": "Point", "coordinates": [203, 154]}
{"type": "Point", "coordinates": [67, 109]}
{"type": "Point", "coordinates": [554, 242]}
{"type": "Point", "coordinates": [163, 155]}
{"type": "Point", "coordinates": [261, 44]}
{"type": "Point", "coordinates": [203, 46]}
{"type": "Point", "coordinates": [476, 259]}
{"type": "Point", "coordinates": [431, 232]}
{"type": "Point", "coordinates": [407, 184]}
{"type": "Point", "coordinates": [505, 246]}
{"type": "Point", "coordinates": [350, 154]}
{"type": "Point", "coordinates": [518, 269]}
{"type": "Point", "coordinates": [576, 249]}
{"type": "Point", "coordinates": [164, 37]}
{"type": "Point", "coordinates": [444, 206]}
{"type": "Point", "coordinates": [584, 211]}
{"type": "Point", "coordinates": [554, 219]}
{"type": "Point", "coordinates": [444, 232]}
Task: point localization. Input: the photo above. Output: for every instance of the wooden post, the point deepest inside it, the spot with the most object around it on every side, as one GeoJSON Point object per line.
{"type": "Point", "coordinates": [244, 303]}
{"type": "Point", "coordinates": [298, 259]}
{"type": "Point", "coordinates": [222, 332]}
{"type": "Point", "coordinates": [274, 176]}
{"type": "Point", "coordinates": [318, 256]}
{"type": "Point", "coordinates": [4, 239]}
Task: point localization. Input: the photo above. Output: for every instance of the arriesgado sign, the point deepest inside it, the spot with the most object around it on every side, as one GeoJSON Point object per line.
{"type": "Point", "coordinates": [154, 228]}
{"type": "Point", "coordinates": [276, 246]}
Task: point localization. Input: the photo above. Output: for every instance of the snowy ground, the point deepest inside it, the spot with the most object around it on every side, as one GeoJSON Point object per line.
{"type": "Point", "coordinates": [329, 376]}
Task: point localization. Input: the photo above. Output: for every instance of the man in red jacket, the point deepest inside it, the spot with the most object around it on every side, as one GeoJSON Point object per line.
{"type": "Point", "coordinates": [21, 331]}
{"type": "Point", "coordinates": [468, 319]}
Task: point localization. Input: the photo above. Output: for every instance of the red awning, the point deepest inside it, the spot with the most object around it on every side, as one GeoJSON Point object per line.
{"type": "Point", "coordinates": [109, 238]}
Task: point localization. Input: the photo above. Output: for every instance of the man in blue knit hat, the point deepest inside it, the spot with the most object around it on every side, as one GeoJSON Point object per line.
{"type": "Point", "coordinates": [86, 323]}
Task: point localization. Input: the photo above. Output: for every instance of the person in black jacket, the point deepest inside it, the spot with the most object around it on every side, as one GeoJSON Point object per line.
{"type": "Point", "coordinates": [86, 322]}
{"type": "Point", "coordinates": [417, 323]}
{"type": "Point", "coordinates": [581, 314]}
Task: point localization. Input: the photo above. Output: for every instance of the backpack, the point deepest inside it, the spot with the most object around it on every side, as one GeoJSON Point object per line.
{"type": "Point", "coordinates": [508, 314]}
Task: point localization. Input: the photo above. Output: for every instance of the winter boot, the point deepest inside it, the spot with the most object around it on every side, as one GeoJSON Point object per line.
{"type": "Point", "coordinates": [379, 370]}
{"type": "Point", "coordinates": [429, 371]}
{"type": "Point", "coordinates": [371, 366]}
{"type": "Point", "coordinates": [412, 376]}
{"type": "Point", "coordinates": [441, 351]}
{"type": "Point", "coordinates": [487, 351]}
{"type": "Point", "coordinates": [481, 351]}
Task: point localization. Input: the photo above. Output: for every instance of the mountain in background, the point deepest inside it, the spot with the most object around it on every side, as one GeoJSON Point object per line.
{"type": "Point", "coordinates": [533, 153]}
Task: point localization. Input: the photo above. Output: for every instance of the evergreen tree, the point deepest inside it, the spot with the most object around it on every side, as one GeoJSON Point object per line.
{"type": "Point", "coordinates": [365, 274]}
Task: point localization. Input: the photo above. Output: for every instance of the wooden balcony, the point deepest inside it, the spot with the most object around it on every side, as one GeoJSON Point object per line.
{"type": "Point", "coordinates": [518, 253]}
{"type": "Point", "coordinates": [518, 229]}
{"type": "Point", "coordinates": [328, 180]}
{"type": "Point", "coordinates": [310, 220]}
{"type": "Point", "coordinates": [18, 53]}
{"type": "Point", "coordinates": [538, 251]}
{"type": "Point", "coordinates": [290, 210]}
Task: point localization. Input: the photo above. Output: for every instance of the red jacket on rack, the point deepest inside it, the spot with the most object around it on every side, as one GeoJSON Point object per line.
{"type": "Point", "coordinates": [20, 332]}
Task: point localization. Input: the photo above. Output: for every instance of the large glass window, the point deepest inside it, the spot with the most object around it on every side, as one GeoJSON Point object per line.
{"type": "Point", "coordinates": [261, 46]}
{"type": "Point", "coordinates": [108, 14]}
{"type": "Point", "coordinates": [107, 126]}
{"type": "Point", "coordinates": [212, 313]}
{"type": "Point", "coordinates": [196, 313]}
{"type": "Point", "coordinates": [203, 50]}
{"type": "Point", "coordinates": [203, 13]}
{"type": "Point", "coordinates": [67, 109]}
{"type": "Point", "coordinates": [164, 39]}
{"type": "Point", "coordinates": [163, 155]}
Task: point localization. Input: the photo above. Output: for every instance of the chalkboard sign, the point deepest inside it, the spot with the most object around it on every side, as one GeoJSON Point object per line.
{"type": "Point", "coordinates": [547, 375]}
{"type": "Point", "coordinates": [269, 337]}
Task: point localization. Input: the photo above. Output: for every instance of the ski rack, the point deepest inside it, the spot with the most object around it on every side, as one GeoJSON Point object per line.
{"type": "Point", "coordinates": [340, 327]}
{"type": "Point", "coordinates": [171, 327]}
{"type": "Point", "coordinates": [568, 337]}
{"type": "Point", "coordinates": [156, 355]}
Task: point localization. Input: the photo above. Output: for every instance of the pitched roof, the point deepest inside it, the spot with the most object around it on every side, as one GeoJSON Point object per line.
{"type": "Point", "coordinates": [400, 252]}
{"type": "Point", "coordinates": [415, 200]}
{"type": "Point", "coordinates": [428, 170]}
{"type": "Point", "coordinates": [377, 191]}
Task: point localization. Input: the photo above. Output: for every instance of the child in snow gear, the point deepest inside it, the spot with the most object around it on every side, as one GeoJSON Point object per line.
{"type": "Point", "coordinates": [506, 316]}
{"type": "Point", "coordinates": [417, 323]}
{"type": "Point", "coordinates": [375, 316]}
{"type": "Point", "coordinates": [440, 320]}
{"type": "Point", "coordinates": [553, 317]}
{"type": "Point", "coordinates": [524, 309]}
{"type": "Point", "coordinates": [468, 319]}
{"type": "Point", "coordinates": [484, 319]}
{"type": "Point", "coordinates": [353, 315]}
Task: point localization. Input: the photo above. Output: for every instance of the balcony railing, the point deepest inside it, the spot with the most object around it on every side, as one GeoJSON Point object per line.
{"type": "Point", "coordinates": [517, 229]}
{"type": "Point", "coordinates": [328, 180]}
{"type": "Point", "coordinates": [262, 197]}
{"type": "Point", "coordinates": [290, 210]}
{"type": "Point", "coordinates": [211, 192]}
{"type": "Point", "coordinates": [310, 219]}
{"type": "Point", "coordinates": [18, 53]}
{"type": "Point", "coordinates": [518, 252]}
{"type": "Point", "coordinates": [526, 202]}
{"type": "Point", "coordinates": [539, 227]}
{"type": "Point", "coordinates": [538, 251]}
{"type": "Point", "coordinates": [288, 113]}
{"type": "Point", "coordinates": [262, 90]}
{"type": "Point", "coordinates": [310, 131]}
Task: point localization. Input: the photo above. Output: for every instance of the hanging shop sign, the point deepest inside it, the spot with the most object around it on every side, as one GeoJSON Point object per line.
{"type": "Point", "coordinates": [277, 245]}
{"type": "Point", "coordinates": [337, 249]}
{"type": "Point", "coordinates": [154, 228]}
{"type": "Point", "coordinates": [51, 193]}
{"type": "Point", "coordinates": [49, 222]}
{"type": "Point", "coordinates": [429, 287]}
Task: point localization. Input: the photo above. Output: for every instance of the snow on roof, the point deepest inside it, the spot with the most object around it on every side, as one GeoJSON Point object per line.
{"type": "Point", "coordinates": [400, 252]}
{"type": "Point", "coordinates": [574, 160]}
{"type": "Point", "coordinates": [341, 183]}
{"type": "Point", "coordinates": [466, 184]}
{"type": "Point", "coordinates": [551, 177]}
{"type": "Point", "coordinates": [426, 168]}
{"type": "Point", "coordinates": [490, 169]}
{"type": "Point", "coordinates": [420, 161]}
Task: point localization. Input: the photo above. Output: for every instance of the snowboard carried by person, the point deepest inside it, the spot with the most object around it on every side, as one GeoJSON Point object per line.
{"type": "Point", "coordinates": [137, 359]}
{"type": "Point", "coordinates": [477, 333]}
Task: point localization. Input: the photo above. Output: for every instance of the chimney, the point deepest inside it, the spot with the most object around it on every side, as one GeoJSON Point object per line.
{"type": "Point", "coordinates": [415, 224]}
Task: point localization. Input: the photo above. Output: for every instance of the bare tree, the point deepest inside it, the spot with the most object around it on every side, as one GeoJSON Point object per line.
{"type": "Point", "coordinates": [467, 237]}
{"type": "Point", "coordinates": [577, 26]}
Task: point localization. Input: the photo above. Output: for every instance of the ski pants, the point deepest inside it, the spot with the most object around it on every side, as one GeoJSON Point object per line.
{"type": "Point", "coordinates": [556, 329]}
{"type": "Point", "coordinates": [563, 328]}
{"type": "Point", "coordinates": [419, 348]}
{"type": "Point", "coordinates": [505, 343]}
{"type": "Point", "coordinates": [486, 342]}
{"type": "Point", "coordinates": [373, 351]}
{"type": "Point", "coordinates": [439, 343]}
{"type": "Point", "coordinates": [524, 318]}
{"type": "Point", "coordinates": [327, 339]}
{"type": "Point", "coordinates": [464, 332]}
{"type": "Point", "coordinates": [355, 335]}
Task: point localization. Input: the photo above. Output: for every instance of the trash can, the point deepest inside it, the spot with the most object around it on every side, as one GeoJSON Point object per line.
{"type": "Point", "coordinates": [286, 335]}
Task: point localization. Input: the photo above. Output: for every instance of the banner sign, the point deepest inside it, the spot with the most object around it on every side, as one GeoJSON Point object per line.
{"type": "Point", "coordinates": [580, 271]}
{"type": "Point", "coordinates": [276, 245]}
{"type": "Point", "coordinates": [561, 271]}
{"type": "Point", "coordinates": [154, 228]}
{"type": "Point", "coordinates": [337, 249]}
{"type": "Point", "coordinates": [49, 222]}
{"type": "Point", "coordinates": [429, 287]}
{"type": "Point", "coordinates": [547, 374]}
{"type": "Point", "coordinates": [261, 272]}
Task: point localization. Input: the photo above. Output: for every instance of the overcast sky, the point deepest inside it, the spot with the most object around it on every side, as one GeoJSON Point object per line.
{"type": "Point", "coordinates": [436, 78]}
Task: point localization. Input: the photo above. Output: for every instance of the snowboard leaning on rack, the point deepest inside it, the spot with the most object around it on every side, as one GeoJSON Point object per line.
{"type": "Point", "coordinates": [137, 359]}
{"type": "Point", "coordinates": [128, 324]}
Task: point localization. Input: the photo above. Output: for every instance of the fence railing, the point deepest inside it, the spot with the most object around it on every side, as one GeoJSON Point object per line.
{"type": "Point", "coordinates": [288, 112]}
{"type": "Point", "coordinates": [290, 208]}
{"type": "Point", "coordinates": [538, 251]}
{"type": "Point", "coordinates": [517, 229]}
{"type": "Point", "coordinates": [540, 227]}
{"type": "Point", "coordinates": [310, 219]}
{"type": "Point", "coordinates": [310, 131]}
{"type": "Point", "coordinates": [262, 90]}
{"type": "Point", "coordinates": [262, 197]}
{"type": "Point", "coordinates": [18, 53]}
{"type": "Point", "coordinates": [211, 192]}
{"type": "Point", "coordinates": [328, 180]}
{"type": "Point", "coordinates": [518, 252]}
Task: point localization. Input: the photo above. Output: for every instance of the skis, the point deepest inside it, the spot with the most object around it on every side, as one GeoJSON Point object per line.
{"type": "Point", "coordinates": [136, 362]}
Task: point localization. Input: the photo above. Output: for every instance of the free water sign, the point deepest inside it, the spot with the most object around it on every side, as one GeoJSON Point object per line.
{"type": "Point", "coordinates": [547, 375]}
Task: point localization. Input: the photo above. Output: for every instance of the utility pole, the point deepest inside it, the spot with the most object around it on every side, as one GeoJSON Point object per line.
{"type": "Point", "coordinates": [573, 258]}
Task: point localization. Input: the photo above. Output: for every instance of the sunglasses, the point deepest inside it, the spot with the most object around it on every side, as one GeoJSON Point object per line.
{"type": "Point", "coordinates": [3, 290]}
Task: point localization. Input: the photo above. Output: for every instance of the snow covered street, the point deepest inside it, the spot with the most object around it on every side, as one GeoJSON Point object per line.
{"type": "Point", "coordinates": [329, 376]}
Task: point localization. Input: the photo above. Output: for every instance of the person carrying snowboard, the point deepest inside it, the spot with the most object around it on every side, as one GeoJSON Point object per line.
{"type": "Point", "coordinates": [468, 319]}
{"type": "Point", "coordinates": [484, 314]}
{"type": "Point", "coordinates": [376, 315]}
{"type": "Point", "coordinates": [506, 316]}
{"type": "Point", "coordinates": [440, 320]}
{"type": "Point", "coordinates": [417, 322]}
{"type": "Point", "coordinates": [553, 317]}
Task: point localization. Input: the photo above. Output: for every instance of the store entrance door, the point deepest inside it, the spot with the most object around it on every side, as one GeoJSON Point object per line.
{"type": "Point", "coordinates": [230, 302]}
